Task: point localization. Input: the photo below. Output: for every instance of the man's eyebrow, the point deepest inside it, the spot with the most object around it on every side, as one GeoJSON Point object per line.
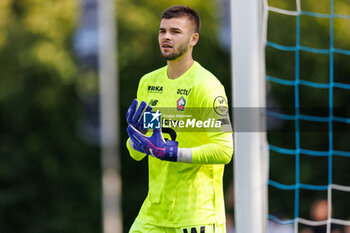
{"type": "Point", "coordinates": [173, 29]}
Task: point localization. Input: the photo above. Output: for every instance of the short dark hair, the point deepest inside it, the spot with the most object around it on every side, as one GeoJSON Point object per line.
{"type": "Point", "coordinates": [180, 11]}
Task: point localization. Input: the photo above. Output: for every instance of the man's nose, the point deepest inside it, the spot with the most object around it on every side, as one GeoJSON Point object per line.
{"type": "Point", "coordinates": [166, 36]}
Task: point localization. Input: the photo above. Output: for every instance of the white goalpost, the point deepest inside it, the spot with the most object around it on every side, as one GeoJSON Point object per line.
{"type": "Point", "coordinates": [109, 102]}
{"type": "Point", "coordinates": [248, 86]}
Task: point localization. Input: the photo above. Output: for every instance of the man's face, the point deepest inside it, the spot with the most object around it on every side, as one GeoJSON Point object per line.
{"type": "Point", "coordinates": [175, 37]}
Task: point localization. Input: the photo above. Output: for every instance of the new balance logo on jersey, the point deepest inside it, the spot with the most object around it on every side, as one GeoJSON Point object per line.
{"type": "Point", "coordinates": [183, 91]}
{"type": "Point", "coordinates": [153, 102]}
{"type": "Point", "coordinates": [155, 89]}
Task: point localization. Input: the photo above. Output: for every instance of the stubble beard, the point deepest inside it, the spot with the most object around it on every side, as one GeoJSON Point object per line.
{"type": "Point", "coordinates": [181, 51]}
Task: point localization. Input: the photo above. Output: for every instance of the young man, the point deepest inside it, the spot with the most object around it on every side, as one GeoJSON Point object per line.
{"type": "Point", "coordinates": [185, 174]}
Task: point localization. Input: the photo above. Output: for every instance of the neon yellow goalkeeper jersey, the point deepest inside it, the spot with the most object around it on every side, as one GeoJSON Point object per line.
{"type": "Point", "coordinates": [185, 194]}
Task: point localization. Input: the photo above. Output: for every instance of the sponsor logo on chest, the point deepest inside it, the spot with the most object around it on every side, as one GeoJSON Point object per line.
{"type": "Point", "coordinates": [183, 91]}
{"type": "Point", "coordinates": [155, 89]}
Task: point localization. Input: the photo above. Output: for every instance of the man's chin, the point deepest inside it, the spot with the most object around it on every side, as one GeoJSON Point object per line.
{"type": "Point", "coordinates": [173, 56]}
{"type": "Point", "coordinates": [170, 57]}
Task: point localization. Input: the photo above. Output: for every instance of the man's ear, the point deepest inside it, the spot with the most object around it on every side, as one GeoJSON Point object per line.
{"type": "Point", "coordinates": [194, 39]}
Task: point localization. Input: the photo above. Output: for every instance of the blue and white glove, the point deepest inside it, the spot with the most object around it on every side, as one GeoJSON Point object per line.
{"type": "Point", "coordinates": [134, 116]}
{"type": "Point", "coordinates": [155, 145]}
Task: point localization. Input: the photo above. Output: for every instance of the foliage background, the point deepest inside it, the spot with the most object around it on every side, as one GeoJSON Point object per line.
{"type": "Point", "coordinates": [49, 177]}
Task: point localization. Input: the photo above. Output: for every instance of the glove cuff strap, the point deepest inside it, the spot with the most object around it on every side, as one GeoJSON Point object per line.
{"type": "Point", "coordinates": [171, 150]}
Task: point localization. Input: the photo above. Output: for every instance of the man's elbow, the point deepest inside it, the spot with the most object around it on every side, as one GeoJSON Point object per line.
{"type": "Point", "coordinates": [226, 154]}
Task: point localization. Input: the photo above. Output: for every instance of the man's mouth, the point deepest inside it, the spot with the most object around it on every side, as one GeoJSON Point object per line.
{"type": "Point", "coordinates": [166, 45]}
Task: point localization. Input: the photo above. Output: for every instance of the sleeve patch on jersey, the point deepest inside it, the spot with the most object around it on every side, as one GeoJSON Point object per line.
{"type": "Point", "coordinates": [224, 121]}
{"type": "Point", "coordinates": [220, 106]}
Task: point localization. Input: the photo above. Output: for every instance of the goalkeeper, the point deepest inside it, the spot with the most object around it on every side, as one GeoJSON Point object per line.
{"type": "Point", "coordinates": [185, 172]}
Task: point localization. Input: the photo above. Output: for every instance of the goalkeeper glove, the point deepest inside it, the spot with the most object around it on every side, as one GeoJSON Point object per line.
{"type": "Point", "coordinates": [134, 115]}
{"type": "Point", "coordinates": [155, 145]}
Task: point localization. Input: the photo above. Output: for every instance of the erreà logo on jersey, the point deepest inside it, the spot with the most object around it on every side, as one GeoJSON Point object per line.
{"type": "Point", "coordinates": [181, 104]}
{"type": "Point", "coordinates": [155, 89]}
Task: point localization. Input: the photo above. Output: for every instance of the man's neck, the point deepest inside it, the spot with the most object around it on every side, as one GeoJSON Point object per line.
{"type": "Point", "coordinates": [179, 66]}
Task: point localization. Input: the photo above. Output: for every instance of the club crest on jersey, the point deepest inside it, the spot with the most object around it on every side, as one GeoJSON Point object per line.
{"type": "Point", "coordinates": [181, 104]}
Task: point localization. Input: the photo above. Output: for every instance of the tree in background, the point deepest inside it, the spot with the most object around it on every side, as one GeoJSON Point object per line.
{"type": "Point", "coordinates": [49, 177]}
